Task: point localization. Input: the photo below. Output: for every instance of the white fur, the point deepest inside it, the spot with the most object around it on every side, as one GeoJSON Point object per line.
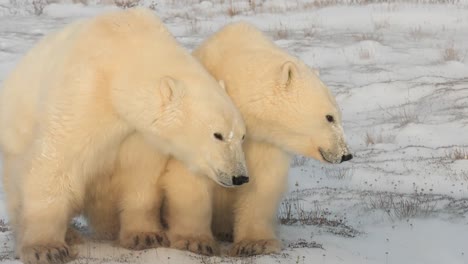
{"type": "Point", "coordinates": [77, 95]}
{"type": "Point", "coordinates": [284, 104]}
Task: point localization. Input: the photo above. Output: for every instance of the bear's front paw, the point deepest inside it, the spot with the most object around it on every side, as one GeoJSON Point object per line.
{"type": "Point", "coordinates": [245, 248]}
{"type": "Point", "coordinates": [203, 246]}
{"type": "Point", "coordinates": [54, 253]}
{"type": "Point", "coordinates": [144, 240]}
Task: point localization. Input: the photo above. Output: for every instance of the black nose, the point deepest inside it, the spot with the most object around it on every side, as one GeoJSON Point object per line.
{"type": "Point", "coordinates": [346, 157]}
{"type": "Point", "coordinates": [239, 180]}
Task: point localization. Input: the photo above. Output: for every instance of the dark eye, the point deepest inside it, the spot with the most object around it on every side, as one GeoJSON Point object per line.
{"type": "Point", "coordinates": [218, 136]}
{"type": "Point", "coordinates": [243, 137]}
{"type": "Point", "coordinates": [330, 118]}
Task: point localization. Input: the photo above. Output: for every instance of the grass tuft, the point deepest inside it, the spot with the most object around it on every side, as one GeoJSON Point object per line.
{"type": "Point", "coordinates": [399, 207]}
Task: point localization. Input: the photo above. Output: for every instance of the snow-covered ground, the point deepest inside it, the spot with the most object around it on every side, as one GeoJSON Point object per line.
{"type": "Point", "coordinates": [400, 74]}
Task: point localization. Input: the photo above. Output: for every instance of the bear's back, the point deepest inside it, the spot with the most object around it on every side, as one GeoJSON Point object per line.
{"type": "Point", "coordinates": [21, 94]}
{"type": "Point", "coordinates": [84, 60]}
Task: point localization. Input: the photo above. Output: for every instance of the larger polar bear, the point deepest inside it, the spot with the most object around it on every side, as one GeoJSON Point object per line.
{"type": "Point", "coordinates": [74, 98]}
{"type": "Point", "coordinates": [287, 110]}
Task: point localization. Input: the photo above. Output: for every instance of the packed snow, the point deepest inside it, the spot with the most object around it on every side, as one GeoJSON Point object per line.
{"type": "Point", "coordinates": [400, 74]}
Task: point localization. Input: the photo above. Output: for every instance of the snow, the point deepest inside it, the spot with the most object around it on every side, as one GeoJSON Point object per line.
{"type": "Point", "coordinates": [391, 68]}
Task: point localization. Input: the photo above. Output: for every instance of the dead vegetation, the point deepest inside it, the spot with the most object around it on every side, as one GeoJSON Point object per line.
{"type": "Point", "coordinates": [292, 212]}
{"type": "Point", "coordinates": [368, 36]}
{"type": "Point", "coordinates": [399, 206]}
{"type": "Point", "coordinates": [233, 10]}
{"type": "Point", "coordinates": [281, 32]}
{"type": "Point", "coordinates": [417, 33]}
{"type": "Point", "coordinates": [364, 54]}
{"type": "Point", "coordinates": [339, 173]}
{"type": "Point", "coordinates": [451, 53]}
{"type": "Point", "coordinates": [193, 26]}
{"type": "Point", "coordinates": [372, 138]}
{"type": "Point", "coordinates": [298, 161]}
{"type": "Point", "coordinates": [310, 31]}
{"type": "Point", "coordinates": [4, 226]}
{"type": "Point", "coordinates": [302, 243]}
{"type": "Point", "coordinates": [457, 154]}
{"type": "Point", "coordinates": [404, 114]}
{"type": "Point", "coordinates": [124, 4]}
{"type": "Point", "coordinates": [381, 24]}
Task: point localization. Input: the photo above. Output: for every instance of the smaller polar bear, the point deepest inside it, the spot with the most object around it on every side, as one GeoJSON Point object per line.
{"type": "Point", "coordinates": [125, 203]}
{"type": "Point", "coordinates": [78, 94]}
{"type": "Point", "coordinates": [287, 110]}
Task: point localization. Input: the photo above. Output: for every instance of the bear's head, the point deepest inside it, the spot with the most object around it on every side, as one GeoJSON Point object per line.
{"type": "Point", "coordinates": [200, 126]}
{"type": "Point", "coordinates": [288, 106]}
{"type": "Point", "coordinates": [282, 100]}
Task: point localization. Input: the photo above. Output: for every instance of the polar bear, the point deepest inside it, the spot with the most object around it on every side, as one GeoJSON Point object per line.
{"type": "Point", "coordinates": [288, 110]}
{"type": "Point", "coordinates": [124, 204]}
{"type": "Point", "coordinates": [78, 94]}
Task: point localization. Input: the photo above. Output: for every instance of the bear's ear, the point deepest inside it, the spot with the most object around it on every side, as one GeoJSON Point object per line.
{"type": "Point", "coordinates": [221, 83]}
{"type": "Point", "coordinates": [170, 89]}
{"type": "Point", "coordinates": [288, 72]}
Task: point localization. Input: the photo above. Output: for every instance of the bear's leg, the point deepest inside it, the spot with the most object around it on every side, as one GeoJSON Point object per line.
{"type": "Point", "coordinates": [140, 226]}
{"type": "Point", "coordinates": [103, 220]}
{"type": "Point", "coordinates": [101, 208]}
{"type": "Point", "coordinates": [188, 209]}
{"type": "Point", "coordinates": [46, 213]}
{"type": "Point", "coordinates": [223, 213]}
{"type": "Point", "coordinates": [140, 201]}
{"type": "Point", "coordinates": [257, 202]}
{"type": "Point", "coordinates": [13, 198]}
{"type": "Point", "coordinates": [73, 236]}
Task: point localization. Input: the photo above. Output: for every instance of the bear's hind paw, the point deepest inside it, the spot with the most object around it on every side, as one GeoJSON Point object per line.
{"type": "Point", "coordinates": [207, 247]}
{"type": "Point", "coordinates": [55, 253]}
{"type": "Point", "coordinates": [144, 240]}
{"type": "Point", "coordinates": [246, 248]}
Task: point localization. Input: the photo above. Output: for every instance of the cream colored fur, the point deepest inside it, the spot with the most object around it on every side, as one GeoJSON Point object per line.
{"type": "Point", "coordinates": [77, 95]}
{"type": "Point", "coordinates": [125, 203]}
{"type": "Point", "coordinates": [285, 106]}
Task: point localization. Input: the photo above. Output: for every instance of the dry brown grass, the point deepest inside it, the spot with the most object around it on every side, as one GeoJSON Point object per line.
{"type": "Point", "coordinates": [253, 5]}
{"type": "Point", "coordinates": [310, 31]}
{"type": "Point", "coordinates": [292, 212]}
{"type": "Point", "coordinates": [417, 33]}
{"type": "Point", "coordinates": [194, 26]}
{"type": "Point", "coordinates": [39, 6]}
{"type": "Point", "coordinates": [404, 114]}
{"type": "Point", "coordinates": [365, 54]}
{"type": "Point", "coordinates": [4, 227]}
{"type": "Point", "coordinates": [381, 24]}
{"type": "Point", "coordinates": [298, 161]}
{"type": "Point", "coordinates": [457, 154]}
{"type": "Point", "coordinates": [368, 36]}
{"type": "Point", "coordinates": [372, 139]}
{"type": "Point", "coordinates": [450, 53]}
{"type": "Point", "coordinates": [398, 206]}
{"type": "Point", "coordinates": [281, 32]}
{"type": "Point", "coordinates": [124, 4]}
{"type": "Point", "coordinates": [327, 3]}
{"type": "Point", "coordinates": [232, 10]}
{"type": "Point", "coordinates": [339, 173]}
